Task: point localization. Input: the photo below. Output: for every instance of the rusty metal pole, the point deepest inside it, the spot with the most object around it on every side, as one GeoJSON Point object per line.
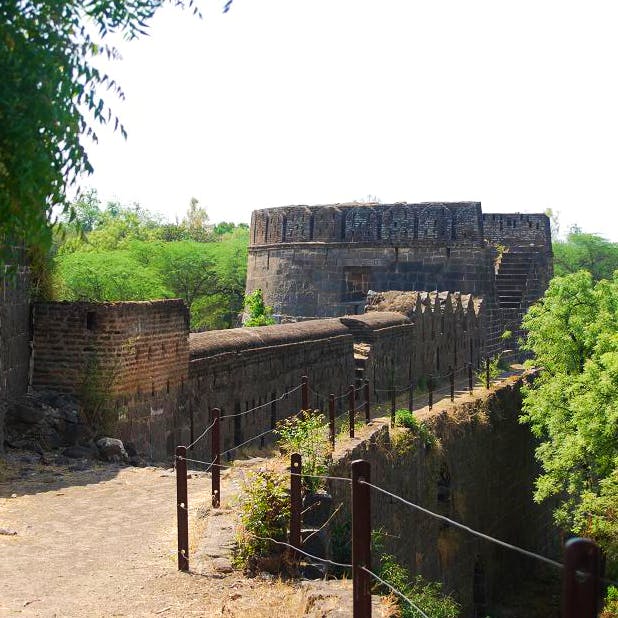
{"type": "Point", "coordinates": [304, 393]}
{"type": "Point", "coordinates": [487, 373]}
{"type": "Point", "coordinates": [470, 381]}
{"type": "Point", "coordinates": [331, 419]}
{"type": "Point", "coordinates": [296, 469]}
{"type": "Point", "coordinates": [351, 408]}
{"type": "Point", "coordinates": [361, 539]}
{"type": "Point", "coordinates": [367, 404]}
{"type": "Point", "coordinates": [581, 579]}
{"type": "Point", "coordinates": [452, 379]}
{"type": "Point", "coordinates": [393, 407]}
{"type": "Point", "coordinates": [215, 477]}
{"type": "Point", "coordinates": [430, 394]}
{"type": "Point", "coordinates": [182, 508]}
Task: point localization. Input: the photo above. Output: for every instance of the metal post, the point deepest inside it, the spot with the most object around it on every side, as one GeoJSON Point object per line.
{"type": "Point", "coordinates": [216, 458]}
{"type": "Point", "coordinates": [361, 539]}
{"type": "Point", "coordinates": [367, 404]}
{"type": "Point", "coordinates": [411, 397]}
{"type": "Point", "coordinates": [296, 469]}
{"type": "Point", "coordinates": [581, 583]}
{"type": "Point", "coordinates": [470, 380]}
{"type": "Point", "coordinates": [351, 408]}
{"type": "Point", "coordinates": [452, 379]}
{"type": "Point", "coordinates": [304, 392]}
{"type": "Point", "coordinates": [393, 407]}
{"type": "Point", "coordinates": [430, 394]}
{"type": "Point", "coordinates": [331, 419]}
{"type": "Point", "coordinates": [182, 508]}
{"type": "Point", "coordinates": [487, 372]}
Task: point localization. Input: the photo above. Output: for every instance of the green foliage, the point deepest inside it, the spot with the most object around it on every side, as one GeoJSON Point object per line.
{"type": "Point", "coordinates": [572, 406]}
{"type": "Point", "coordinates": [50, 99]}
{"type": "Point", "coordinates": [585, 251]}
{"type": "Point", "coordinates": [265, 513]}
{"type": "Point", "coordinates": [259, 313]}
{"type": "Point", "coordinates": [428, 596]}
{"type": "Point", "coordinates": [307, 434]}
{"type": "Point", "coordinates": [610, 609]}
{"type": "Point", "coordinates": [122, 257]}
{"type": "Point", "coordinates": [417, 429]}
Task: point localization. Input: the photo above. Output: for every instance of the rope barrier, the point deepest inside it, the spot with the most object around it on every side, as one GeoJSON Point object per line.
{"type": "Point", "coordinates": [263, 405]}
{"type": "Point", "coordinates": [318, 476]}
{"type": "Point", "coordinates": [202, 435]}
{"type": "Point", "coordinates": [325, 560]}
{"type": "Point", "coordinates": [452, 522]}
{"type": "Point", "coordinates": [397, 592]}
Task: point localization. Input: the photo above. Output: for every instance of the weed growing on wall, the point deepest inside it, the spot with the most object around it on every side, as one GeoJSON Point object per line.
{"type": "Point", "coordinates": [264, 513]}
{"type": "Point", "coordinates": [402, 441]}
{"type": "Point", "coordinates": [428, 596]}
{"type": "Point", "coordinates": [307, 434]}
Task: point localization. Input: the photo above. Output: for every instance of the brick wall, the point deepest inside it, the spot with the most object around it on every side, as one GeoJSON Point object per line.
{"type": "Point", "coordinates": [14, 332]}
{"type": "Point", "coordinates": [136, 353]}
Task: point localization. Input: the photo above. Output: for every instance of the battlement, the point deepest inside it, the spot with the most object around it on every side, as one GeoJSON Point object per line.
{"type": "Point", "coordinates": [400, 223]}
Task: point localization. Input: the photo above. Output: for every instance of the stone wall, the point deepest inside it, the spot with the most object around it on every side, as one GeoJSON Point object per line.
{"type": "Point", "coordinates": [14, 333]}
{"type": "Point", "coordinates": [129, 360]}
{"type": "Point", "coordinates": [238, 369]}
{"type": "Point", "coordinates": [480, 473]}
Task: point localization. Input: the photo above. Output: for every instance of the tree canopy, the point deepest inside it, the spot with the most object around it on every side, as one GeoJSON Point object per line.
{"type": "Point", "coordinates": [572, 406]}
{"type": "Point", "coordinates": [50, 100]}
{"type": "Point", "coordinates": [585, 251]}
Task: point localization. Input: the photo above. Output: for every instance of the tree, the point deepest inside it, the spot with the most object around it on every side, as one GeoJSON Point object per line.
{"type": "Point", "coordinates": [259, 313]}
{"type": "Point", "coordinates": [572, 406]}
{"type": "Point", "coordinates": [50, 100]}
{"type": "Point", "coordinates": [587, 251]}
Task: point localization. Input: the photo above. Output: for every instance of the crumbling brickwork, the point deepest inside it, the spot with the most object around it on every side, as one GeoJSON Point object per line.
{"type": "Point", "coordinates": [134, 354]}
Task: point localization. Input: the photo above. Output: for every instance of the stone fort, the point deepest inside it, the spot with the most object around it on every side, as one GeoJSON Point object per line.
{"type": "Point", "coordinates": [447, 280]}
{"type": "Point", "coordinates": [319, 261]}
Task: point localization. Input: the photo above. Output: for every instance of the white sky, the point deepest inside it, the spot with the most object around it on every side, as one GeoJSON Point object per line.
{"type": "Point", "coordinates": [284, 102]}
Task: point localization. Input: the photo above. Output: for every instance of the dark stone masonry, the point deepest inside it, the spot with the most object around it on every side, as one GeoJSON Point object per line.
{"type": "Point", "coordinates": [320, 261]}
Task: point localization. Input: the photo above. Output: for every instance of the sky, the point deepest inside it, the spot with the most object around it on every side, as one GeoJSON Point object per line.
{"type": "Point", "coordinates": [279, 102]}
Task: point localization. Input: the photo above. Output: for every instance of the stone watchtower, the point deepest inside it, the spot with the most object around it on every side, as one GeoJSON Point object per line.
{"type": "Point", "coordinates": [319, 261]}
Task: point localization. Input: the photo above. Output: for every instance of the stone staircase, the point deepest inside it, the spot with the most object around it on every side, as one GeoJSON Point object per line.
{"type": "Point", "coordinates": [511, 279]}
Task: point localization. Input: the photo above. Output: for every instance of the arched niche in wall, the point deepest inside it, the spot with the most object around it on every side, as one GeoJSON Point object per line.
{"type": "Point", "coordinates": [276, 220]}
{"type": "Point", "coordinates": [259, 227]}
{"type": "Point", "coordinates": [361, 224]}
{"type": "Point", "coordinates": [327, 224]}
{"type": "Point", "coordinates": [298, 225]}
{"type": "Point", "coordinates": [399, 223]}
{"type": "Point", "coordinates": [435, 222]}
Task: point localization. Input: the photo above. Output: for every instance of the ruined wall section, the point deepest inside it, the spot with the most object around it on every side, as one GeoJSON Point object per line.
{"type": "Point", "coordinates": [130, 359]}
{"type": "Point", "coordinates": [14, 331]}
{"type": "Point", "coordinates": [481, 473]}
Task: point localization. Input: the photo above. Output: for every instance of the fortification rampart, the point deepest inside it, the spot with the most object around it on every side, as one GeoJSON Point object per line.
{"type": "Point", "coordinates": [161, 383]}
{"type": "Point", "coordinates": [480, 472]}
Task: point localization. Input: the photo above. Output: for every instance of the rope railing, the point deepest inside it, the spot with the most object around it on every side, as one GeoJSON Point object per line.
{"type": "Point", "coordinates": [263, 405]}
{"type": "Point", "coordinates": [461, 526]}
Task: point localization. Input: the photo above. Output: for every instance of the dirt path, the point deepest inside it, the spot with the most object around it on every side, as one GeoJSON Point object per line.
{"type": "Point", "coordinates": [101, 542]}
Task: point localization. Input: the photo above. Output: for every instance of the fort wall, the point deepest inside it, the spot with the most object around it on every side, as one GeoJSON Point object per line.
{"type": "Point", "coordinates": [138, 363]}
{"type": "Point", "coordinates": [480, 472]}
{"type": "Point", "coordinates": [14, 331]}
{"type": "Point", "coordinates": [128, 360]}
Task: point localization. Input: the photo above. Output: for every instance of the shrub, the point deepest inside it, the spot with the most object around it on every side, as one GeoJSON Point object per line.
{"type": "Point", "coordinates": [405, 418]}
{"type": "Point", "coordinates": [264, 514]}
{"type": "Point", "coordinates": [307, 434]}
